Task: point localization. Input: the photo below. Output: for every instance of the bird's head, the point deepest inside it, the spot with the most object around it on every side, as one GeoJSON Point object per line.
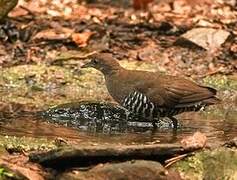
{"type": "Point", "coordinates": [103, 62]}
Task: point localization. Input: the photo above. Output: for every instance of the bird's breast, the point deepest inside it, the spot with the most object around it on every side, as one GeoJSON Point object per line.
{"type": "Point", "coordinates": [118, 89]}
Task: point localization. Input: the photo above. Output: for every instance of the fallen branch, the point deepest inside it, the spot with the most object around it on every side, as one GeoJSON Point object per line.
{"type": "Point", "coordinates": [91, 155]}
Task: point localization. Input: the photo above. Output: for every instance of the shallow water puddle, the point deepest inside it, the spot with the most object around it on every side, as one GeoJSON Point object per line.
{"type": "Point", "coordinates": [218, 128]}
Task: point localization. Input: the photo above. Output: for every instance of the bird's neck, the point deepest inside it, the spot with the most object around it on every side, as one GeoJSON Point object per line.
{"type": "Point", "coordinates": [114, 82]}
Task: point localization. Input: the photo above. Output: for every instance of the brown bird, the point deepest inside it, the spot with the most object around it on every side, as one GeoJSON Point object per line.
{"type": "Point", "coordinates": [151, 95]}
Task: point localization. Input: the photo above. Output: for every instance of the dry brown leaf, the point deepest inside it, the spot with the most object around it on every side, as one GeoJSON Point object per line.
{"type": "Point", "coordinates": [196, 141]}
{"type": "Point", "coordinates": [233, 48]}
{"type": "Point", "coordinates": [207, 38]}
{"type": "Point", "coordinates": [181, 7]}
{"type": "Point", "coordinates": [149, 53]}
{"type": "Point", "coordinates": [20, 164]}
{"type": "Point", "coordinates": [202, 22]}
{"type": "Point", "coordinates": [18, 12]}
{"type": "Point", "coordinates": [52, 34]}
{"type": "Point", "coordinates": [56, 32]}
{"type": "Point", "coordinates": [81, 39]}
{"type": "Point", "coordinates": [199, 2]}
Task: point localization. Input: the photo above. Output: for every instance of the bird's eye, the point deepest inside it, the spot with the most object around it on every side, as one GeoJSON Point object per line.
{"type": "Point", "coordinates": [95, 61]}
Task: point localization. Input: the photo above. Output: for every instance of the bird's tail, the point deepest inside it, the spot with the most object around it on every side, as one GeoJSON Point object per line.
{"type": "Point", "coordinates": [212, 100]}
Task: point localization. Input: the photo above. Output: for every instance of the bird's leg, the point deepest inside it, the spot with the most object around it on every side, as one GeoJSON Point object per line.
{"type": "Point", "coordinates": [174, 121]}
{"type": "Point", "coordinates": [154, 121]}
{"type": "Point", "coordinates": [154, 124]}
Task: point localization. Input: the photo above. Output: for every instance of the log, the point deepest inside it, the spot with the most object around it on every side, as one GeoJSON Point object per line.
{"type": "Point", "coordinates": [91, 155]}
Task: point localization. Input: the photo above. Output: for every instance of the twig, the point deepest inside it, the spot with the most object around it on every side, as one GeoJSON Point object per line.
{"type": "Point", "coordinates": [212, 73]}
{"type": "Point", "coordinates": [173, 160]}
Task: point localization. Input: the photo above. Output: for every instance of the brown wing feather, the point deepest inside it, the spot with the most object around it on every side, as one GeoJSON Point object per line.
{"type": "Point", "coordinates": [189, 94]}
{"type": "Point", "coordinates": [173, 92]}
{"type": "Point", "coordinates": [169, 91]}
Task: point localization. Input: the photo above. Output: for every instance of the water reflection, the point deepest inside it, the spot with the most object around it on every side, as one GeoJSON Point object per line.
{"type": "Point", "coordinates": [217, 128]}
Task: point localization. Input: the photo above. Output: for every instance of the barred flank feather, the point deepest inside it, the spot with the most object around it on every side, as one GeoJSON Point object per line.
{"type": "Point", "coordinates": [141, 105]}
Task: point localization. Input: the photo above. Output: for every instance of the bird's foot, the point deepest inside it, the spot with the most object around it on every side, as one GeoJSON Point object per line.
{"type": "Point", "coordinates": [154, 124]}
{"type": "Point", "coordinates": [174, 121]}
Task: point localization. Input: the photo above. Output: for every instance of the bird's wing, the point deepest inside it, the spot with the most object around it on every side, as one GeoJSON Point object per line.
{"type": "Point", "coordinates": [176, 94]}
{"type": "Point", "coordinates": [185, 96]}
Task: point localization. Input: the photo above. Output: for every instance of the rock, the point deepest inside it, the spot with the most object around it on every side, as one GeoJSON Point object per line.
{"type": "Point", "coordinates": [196, 141]}
{"type": "Point", "coordinates": [73, 113]}
{"type": "Point", "coordinates": [99, 117]}
{"type": "Point", "coordinates": [129, 170]}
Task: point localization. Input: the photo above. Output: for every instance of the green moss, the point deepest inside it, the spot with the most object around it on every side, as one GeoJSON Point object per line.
{"type": "Point", "coordinates": [26, 143]}
{"type": "Point", "coordinates": [217, 164]}
{"type": "Point", "coordinates": [4, 174]}
{"type": "Point", "coordinates": [44, 86]}
{"type": "Point", "coordinates": [17, 76]}
{"type": "Point", "coordinates": [222, 82]}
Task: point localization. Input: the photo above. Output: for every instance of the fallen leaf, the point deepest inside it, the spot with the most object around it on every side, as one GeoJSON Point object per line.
{"type": "Point", "coordinates": [207, 38]}
{"type": "Point", "coordinates": [196, 141]}
{"type": "Point", "coordinates": [149, 53]}
{"type": "Point", "coordinates": [233, 48]}
{"type": "Point", "coordinates": [207, 24]}
{"type": "Point", "coordinates": [21, 165]}
{"type": "Point", "coordinates": [52, 34]}
{"type": "Point", "coordinates": [199, 2]}
{"type": "Point", "coordinates": [18, 12]}
{"type": "Point", "coordinates": [81, 39]}
{"type": "Point", "coordinates": [181, 7]}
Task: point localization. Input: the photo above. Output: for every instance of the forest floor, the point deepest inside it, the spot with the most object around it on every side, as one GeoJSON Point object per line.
{"type": "Point", "coordinates": [43, 44]}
